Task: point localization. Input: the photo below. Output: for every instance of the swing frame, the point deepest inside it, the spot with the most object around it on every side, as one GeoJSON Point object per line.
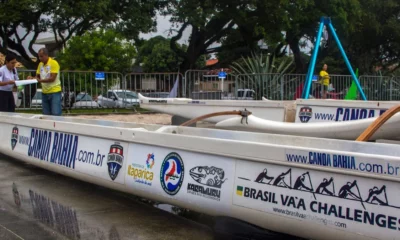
{"type": "Point", "coordinates": [306, 89]}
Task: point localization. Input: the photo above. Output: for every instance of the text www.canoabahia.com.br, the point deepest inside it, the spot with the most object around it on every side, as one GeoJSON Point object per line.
{"type": "Point", "coordinates": [309, 217]}
{"type": "Point", "coordinates": [388, 169]}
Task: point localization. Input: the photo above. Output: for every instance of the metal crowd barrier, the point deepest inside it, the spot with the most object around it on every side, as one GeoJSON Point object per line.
{"type": "Point", "coordinates": [85, 89]}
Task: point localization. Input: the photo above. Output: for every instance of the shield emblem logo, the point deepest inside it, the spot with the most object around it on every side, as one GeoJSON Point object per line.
{"type": "Point", "coordinates": [14, 137]}
{"type": "Point", "coordinates": [115, 160]}
{"type": "Point", "coordinates": [305, 114]}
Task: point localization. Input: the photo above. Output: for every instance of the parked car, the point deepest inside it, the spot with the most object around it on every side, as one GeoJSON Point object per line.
{"type": "Point", "coordinates": [245, 94]}
{"type": "Point", "coordinates": [37, 99]}
{"type": "Point", "coordinates": [118, 99]}
{"type": "Point", "coordinates": [84, 100]}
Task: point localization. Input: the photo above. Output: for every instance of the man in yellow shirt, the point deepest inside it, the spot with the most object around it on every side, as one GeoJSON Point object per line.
{"type": "Point", "coordinates": [324, 80]}
{"type": "Point", "coordinates": [48, 74]}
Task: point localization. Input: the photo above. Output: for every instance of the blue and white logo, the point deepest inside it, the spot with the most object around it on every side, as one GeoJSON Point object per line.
{"type": "Point", "coordinates": [305, 114]}
{"type": "Point", "coordinates": [14, 137]}
{"type": "Point", "coordinates": [172, 173]}
{"type": "Point", "coordinates": [115, 160]}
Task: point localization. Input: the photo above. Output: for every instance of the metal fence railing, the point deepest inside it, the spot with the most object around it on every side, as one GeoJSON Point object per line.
{"type": "Point", "coordinates": [289, 86]}
{"type": "Point", "coordinates": [206, 84]}
{"type": "Point", "coordinates": [82, 89]}
{"type": "Point", "coordinates": [154, 84]}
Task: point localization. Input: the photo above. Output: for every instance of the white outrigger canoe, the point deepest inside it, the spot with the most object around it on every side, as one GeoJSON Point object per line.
{"type": "Point", "coordinates": [308, 187]}
{"type": "Point", "coordinates": [189, 108]}
{"type": "Point", "coordinates": [307, 110]}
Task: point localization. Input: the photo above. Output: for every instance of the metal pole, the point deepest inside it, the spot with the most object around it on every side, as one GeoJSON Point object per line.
{"type": "Point", "coordinates": [307, 86]}
{"type": "Point", "coordinates": [347, 61]}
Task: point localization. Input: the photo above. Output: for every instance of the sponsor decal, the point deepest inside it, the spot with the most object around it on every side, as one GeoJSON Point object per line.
{"type": "Point", "coordinates": [332, 200]}
{"type": "Point", "coordinates": [157, 101]}
{"type": "Point", "coordinates": [143, 174]}
{"type": "Point", "coordinates": [91, 158]}
{"type": "Point", "coordinates": [55, 147]}
{"type": "Point", "coordinates": [211, 178]}
{"type": "Point", "coordinates": [305, 114]}
{"type": "Point", "coordinates": [14, 137]}
{"type": "Point", "coordinates": [150, 161]}
{"type": "Point", "coordinates": [361, 164]}
{"type": "Point", "coordinates": [336, 114]}
{"type": "Point", "coordinates": [115, 160]}
{"type": "Point", "coordinates": [239, 190]}
{"type": "Point", "coordinates": [348, 114]}
{"type": "Point", "coordinates": [172, 173]}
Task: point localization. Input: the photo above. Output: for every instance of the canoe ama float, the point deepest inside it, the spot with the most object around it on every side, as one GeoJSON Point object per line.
{"type": "Point", "coordinates": [306, 110]}
{"type": "Point", "coordinates": [189, 108]}
{"type": "Point", "coordinates": [349, 130]}
{"type": "Point", "coordinates": [309, 187]}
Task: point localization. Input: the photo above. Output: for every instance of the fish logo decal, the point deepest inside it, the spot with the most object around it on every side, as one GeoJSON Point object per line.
{"type": "Point", "coordinates": [172, 173]}
{"type": "Point", "coordinates": [305, 114]}
{"type": "Point", "coordinates": [14, 137]}
{"type": "Point", "coordinates": [115, 160]}
{"type": "Point", "coordinates": [209, 176]}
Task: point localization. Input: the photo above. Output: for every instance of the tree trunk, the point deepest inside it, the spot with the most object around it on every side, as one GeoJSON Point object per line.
{"type": "Point", "coordinates": [293, 42]}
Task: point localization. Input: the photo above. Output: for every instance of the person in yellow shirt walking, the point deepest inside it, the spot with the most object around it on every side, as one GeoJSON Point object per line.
{"type": "Point", "coordinates": [324, 80]}
{"type": "Point", "coordinates": [48, 74]}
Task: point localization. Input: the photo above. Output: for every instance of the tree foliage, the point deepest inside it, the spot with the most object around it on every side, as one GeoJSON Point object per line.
{"type": "Point", "coordinates": [24, 20]}
{"type": "Point", "coordinates": [376, 38]}
{"type": "Point", "coordinates": [238, 25]}
{"type": "Point", "coordinates": [156, 55]}
{"type": "Point", "coordinates": [368, 29]}
{"type": "Point", "coordinates": [102, 50]}
{"type": "Point", "coordinates": [212, 21]}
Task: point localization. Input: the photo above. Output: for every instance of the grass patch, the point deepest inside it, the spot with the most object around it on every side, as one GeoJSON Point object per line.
{"type": "Point", "coordinates": [86, 111]}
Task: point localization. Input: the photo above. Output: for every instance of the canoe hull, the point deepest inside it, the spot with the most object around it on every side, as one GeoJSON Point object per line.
{"type": "Point", "coordinates": [208, 171]}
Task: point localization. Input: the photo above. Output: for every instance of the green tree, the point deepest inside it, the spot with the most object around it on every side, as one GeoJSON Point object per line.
{"type": "Point", "coordinates": [375, 40]}
{"type": "Point", "coordinates": [212, 21]}
{"type": "Point", "coordinates": [102, 50]}
{"type": "Point", "coordinates": [156, 55]}
{"type": "Point", "coordinates": [22, 21]}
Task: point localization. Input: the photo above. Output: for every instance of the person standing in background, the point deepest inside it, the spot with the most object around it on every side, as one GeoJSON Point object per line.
{"type": "Point", "coordinates": [48, 74]}
{"type": "Point", "coordinates": [8, 76]}
{"type": "Point", "coordinates": [324, 80]}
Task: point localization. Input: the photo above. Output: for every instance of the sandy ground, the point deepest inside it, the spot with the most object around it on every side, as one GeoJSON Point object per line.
{"type": "Point", "coordinates": [163, 119]}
